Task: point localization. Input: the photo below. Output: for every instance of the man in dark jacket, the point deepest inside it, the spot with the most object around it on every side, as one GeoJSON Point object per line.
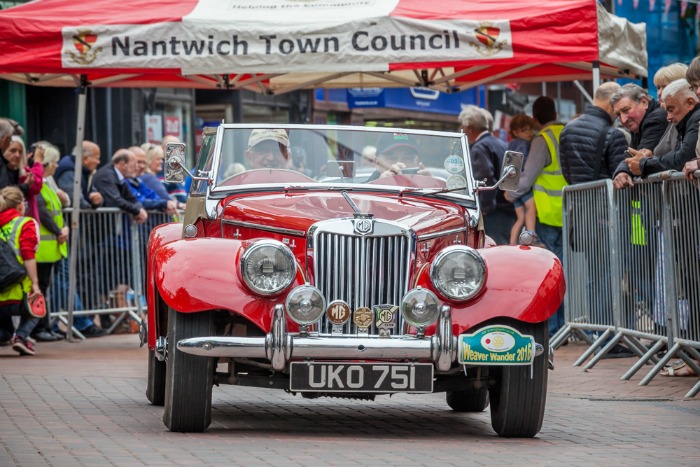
{"type": "Point", "coordinates": [486, 153]}
{"type": "Point", "coordinates": [590, 148]}
{"type": "Point", "coordinates": [641, 115]}
{"type": "Point", "coordinates": [111, 182]}
{"type": "Point", "coordinates": [682, 108]}
{"type": "Point", "coordinates": [65, 175]}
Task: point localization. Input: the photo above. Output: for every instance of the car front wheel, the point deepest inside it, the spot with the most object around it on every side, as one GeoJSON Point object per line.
{"type": "Point", "coordinates": [518, 399]}
{"type": "Point", "coordinates": [189, 378]}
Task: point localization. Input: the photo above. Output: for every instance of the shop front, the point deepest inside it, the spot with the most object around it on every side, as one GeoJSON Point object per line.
{"type": "Point", "coordinates": [419, 108]}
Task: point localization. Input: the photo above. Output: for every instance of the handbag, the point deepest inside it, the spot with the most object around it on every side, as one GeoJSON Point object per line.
{"type": "Point", "coordinates": [11, 271]}
{"type": "Point", "coordinates": [36, 305]}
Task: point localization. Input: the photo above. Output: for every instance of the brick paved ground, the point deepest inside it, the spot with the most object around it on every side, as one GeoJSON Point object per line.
{"type": "Point", "coordinates": [84, 404]}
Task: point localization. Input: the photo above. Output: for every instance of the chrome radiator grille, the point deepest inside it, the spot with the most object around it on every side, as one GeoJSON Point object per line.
{"type": "Point", "coordinates": [362, 270]}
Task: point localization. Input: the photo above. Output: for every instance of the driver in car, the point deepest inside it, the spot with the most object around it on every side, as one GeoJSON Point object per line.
{"type": "Point", "coordinates": [397, 154]}
{"type": "Point", "coordinates": [268, 149]}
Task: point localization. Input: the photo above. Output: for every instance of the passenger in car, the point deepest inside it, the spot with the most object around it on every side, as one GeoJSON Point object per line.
{"type": "Point", "coordinates": [397, 154]}
{"type": "Point", "coordinates": [268, 149]}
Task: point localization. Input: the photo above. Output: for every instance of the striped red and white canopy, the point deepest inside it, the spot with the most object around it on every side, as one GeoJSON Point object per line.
{"type": "Point", "coordinates": [275, 46]}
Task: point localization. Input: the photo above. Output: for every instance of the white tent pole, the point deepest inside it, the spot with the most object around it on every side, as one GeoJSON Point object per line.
{"type": "Point", "coordinates": [596, 75]}
{"type": "Point", "coordinates": [77, 192]}
{"type": "Point", "coordinates": [583, 91]}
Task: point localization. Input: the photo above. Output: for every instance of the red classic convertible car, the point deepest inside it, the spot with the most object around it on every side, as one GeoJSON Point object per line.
{"type": "Point", "coordinates": [345, 261]}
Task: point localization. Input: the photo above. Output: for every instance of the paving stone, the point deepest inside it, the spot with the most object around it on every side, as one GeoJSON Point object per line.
{"type": "Point", "coordinates": [84, 403]}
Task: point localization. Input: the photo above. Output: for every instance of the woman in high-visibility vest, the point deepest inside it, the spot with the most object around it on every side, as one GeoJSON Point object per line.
{"type": "Point", "coordinates": [53, 239]}
{"type": "Point", "coordinates": [22, 233]}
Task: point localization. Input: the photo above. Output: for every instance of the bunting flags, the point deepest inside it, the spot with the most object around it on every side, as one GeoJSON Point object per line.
{"type": "Point", "coordinates": [667, 5]}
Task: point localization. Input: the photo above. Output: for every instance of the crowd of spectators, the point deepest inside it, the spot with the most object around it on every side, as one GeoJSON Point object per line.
{"type": "Point", "coordinates": [651, 136]}
{"type": "Point", "coordinates": [36, 184]}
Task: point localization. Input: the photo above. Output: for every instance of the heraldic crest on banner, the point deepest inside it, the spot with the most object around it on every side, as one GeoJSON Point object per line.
{"type": "Point", "coordinates": [84, 41]}
{"type": "Point", "coordinates": [487, 35]}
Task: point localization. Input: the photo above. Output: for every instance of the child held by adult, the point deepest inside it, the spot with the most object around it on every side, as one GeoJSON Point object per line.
{"type": "Point", "coordinates": [522, 129]}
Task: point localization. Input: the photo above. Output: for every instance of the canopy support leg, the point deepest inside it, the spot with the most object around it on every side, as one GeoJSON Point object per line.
{"type": "Point", "coordinates": [75, 216]}
{"type": "Point", "coordinates": [596, 75]}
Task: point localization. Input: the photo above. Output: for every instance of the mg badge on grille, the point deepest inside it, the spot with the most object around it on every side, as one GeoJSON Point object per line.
{"type": "Point", "coordinates": [386, 318]}
{"type": "Point", "coordinates": [338, 312]}
{"type": "Point", "coordinates": [363, 226]}
{"type": "Point", "coordinates": [363, 317]}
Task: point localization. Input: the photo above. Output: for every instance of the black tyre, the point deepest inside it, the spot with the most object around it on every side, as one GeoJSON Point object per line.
{"type": "Point", "coordinates": [517, 401]}
{"type": "Point", "coordinates": [155, 386]}
{"type": "Point", "coordinates": [189, 378]}
{"type": "Point", "coordinates": [474, 400]}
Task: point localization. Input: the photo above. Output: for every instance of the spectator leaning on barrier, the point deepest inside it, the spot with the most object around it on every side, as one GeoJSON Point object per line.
{"type": "Point", "coordinates": [486, 153]}
{"type": "Point", "coordinates": [542, 174]}
{"type": "Point", "coordinates": [590, 147]}
{"type": "Point", "coordinates": [65, 175]}
{"type": "Point", "coordinates": [682, 109]}
{"type": "Point", "coordinates": [22, 233]}
{"type": "Point", "coordinates": [110, 181]}
{"type": "Point", "coordinates": [641, 115]}
{"type": "Point", "coordinates": [53, 244]}
{"type": "Point", "coordinates": [148, 198]}
{"type": "Point", "coordinates": [663, 78]}
{"type": "Point", "coordinates": [154, 165]}
{"type": "Point", "coordinates": [693, 77]}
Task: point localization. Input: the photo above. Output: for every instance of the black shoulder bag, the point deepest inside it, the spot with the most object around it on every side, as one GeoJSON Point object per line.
{"type": "Point", "coordinates": [11, 271]}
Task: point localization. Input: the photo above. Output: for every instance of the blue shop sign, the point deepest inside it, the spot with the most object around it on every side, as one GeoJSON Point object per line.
{"type": "Point", "coordinates": [412, 99]}
{"type": "Point", "coordinates": [365, 97]}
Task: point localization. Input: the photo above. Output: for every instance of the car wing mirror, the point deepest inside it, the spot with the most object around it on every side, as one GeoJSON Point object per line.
{"type": "Point", "coordinates": [511, 170]}
{"type": "Point", "coordinates": [174, 163]}
{"type": "Point", "coordinates": [175, 169]}
{"type": "Point", "coordinates": [510, 173]}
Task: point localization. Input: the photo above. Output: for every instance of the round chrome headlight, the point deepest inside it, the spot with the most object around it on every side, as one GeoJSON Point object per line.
{"type": "Point", "coordinates": [305, 304]}
{"type": "Point", "coordinates": [268, 267]}
{"type": "Point", "coordinates": [420, 307]}
{"type": "Point", "coordinates": [458, 272]}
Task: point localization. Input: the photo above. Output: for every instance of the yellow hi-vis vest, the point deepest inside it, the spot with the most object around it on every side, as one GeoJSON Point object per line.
{"type": "Point", "coordinates": [49, 250]}
{"type": "Point", "coordinates": [11, 231]}
{"type": "Point", "coordinates": [547, 190]}
{"type": "Point", "coordinates": [638, 234]}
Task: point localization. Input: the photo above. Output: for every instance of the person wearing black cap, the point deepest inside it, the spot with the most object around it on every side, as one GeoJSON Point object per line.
{"type": "Point", "coordinates": [397, 154]}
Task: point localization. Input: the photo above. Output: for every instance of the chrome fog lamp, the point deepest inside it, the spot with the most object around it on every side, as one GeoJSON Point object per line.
{"type": "Point", "coordinates": [458, 272]}
{"type": "Point", "coordinates": [305, 304]}
{"type": "Point", "coordinates": [268, 267]}
{"type": "Point", "coordinates": [420, 307]}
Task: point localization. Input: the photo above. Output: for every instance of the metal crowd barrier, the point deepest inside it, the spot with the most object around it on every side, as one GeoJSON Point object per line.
{"type": "Point", "coordinates": [110, 268]}
{"type": "Point", "coordinates": [632, 267]}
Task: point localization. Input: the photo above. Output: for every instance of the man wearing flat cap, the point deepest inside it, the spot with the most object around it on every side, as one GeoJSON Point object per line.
{"type": "Point", "coordinates": [268, 149]}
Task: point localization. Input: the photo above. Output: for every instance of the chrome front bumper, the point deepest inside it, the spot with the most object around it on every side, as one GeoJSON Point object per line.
{"type": "Point", "coordinates": [279, 346]}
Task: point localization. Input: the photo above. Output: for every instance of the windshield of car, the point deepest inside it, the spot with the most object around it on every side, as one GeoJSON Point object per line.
{"type": "Point", "coordinates": [331, 155]}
